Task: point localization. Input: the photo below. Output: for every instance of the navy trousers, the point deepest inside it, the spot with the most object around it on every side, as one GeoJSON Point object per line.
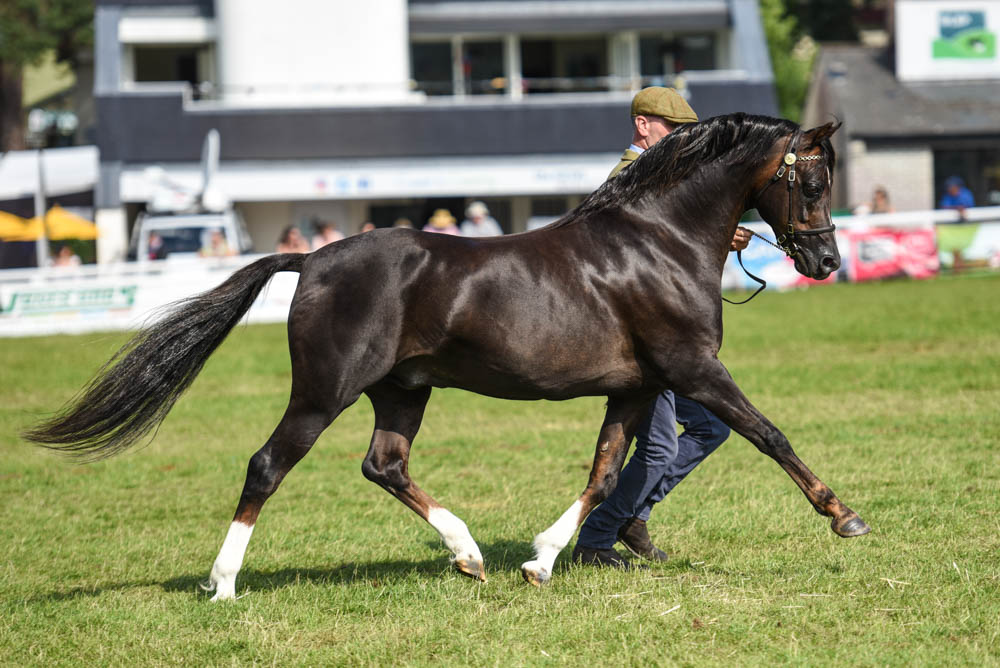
{"type": "Point", "coordinates": [660, 461]}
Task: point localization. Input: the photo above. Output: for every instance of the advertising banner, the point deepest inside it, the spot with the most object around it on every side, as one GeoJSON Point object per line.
{"type": "Point", "coordinates": [878, 253]}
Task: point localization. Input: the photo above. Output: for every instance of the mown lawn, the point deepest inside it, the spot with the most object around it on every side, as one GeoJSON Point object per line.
{"type": "Point", "coordinates": [889, 392]}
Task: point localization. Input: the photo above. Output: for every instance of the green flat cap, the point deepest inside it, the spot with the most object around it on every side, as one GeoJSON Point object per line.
{"type": "Point", "coordinates": [664, 102]}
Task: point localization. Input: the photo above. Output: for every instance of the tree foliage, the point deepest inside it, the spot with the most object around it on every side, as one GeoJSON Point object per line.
{"type": "Point", "coordinates": [792, 54]}
{"type": "Point", "coordinates": [29, 29]}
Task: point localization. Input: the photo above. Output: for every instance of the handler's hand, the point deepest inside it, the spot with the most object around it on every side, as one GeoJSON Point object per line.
{"type": "Point", "coordinates": [741, 239]}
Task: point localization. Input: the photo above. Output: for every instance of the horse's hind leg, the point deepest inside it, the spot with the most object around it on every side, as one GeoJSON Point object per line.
{"type": "Point", "coordinates": [292, 438]}
{"type": "Point", "coordinates": [398, 413]}
{"type": "Point", "coordinates": [612, 446]}
{"type": "Point", "coordinates": [714, 388]}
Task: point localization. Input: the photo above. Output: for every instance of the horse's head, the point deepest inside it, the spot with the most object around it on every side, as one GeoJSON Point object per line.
{"type": "Point", "coordinates": [793, 195]}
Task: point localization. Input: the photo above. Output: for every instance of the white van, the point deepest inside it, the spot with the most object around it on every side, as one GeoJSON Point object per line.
{"type": "Point", "coordinates": [184, 235]}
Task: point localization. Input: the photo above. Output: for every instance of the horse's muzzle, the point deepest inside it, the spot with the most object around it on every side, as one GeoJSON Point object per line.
{"type": "Point", "coordinates": [818, 266]}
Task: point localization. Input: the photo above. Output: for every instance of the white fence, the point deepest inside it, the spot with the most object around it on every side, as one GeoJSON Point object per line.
{"type": "Point", "coordinates": [72, 300]}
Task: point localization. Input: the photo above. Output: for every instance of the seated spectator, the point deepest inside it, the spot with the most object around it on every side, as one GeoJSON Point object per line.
{"type": "Point", "coordinates": [65, 258]}
{"type": "Point", "coordinates": [326, 234]}
{"type": "Point", "coordinates": [479, 223]}
{"type": "Point", "coordinates": [292, 241]}
{"type": "Point", "coordinates": [403, 222]}
{"type": "Point", "coordinates": [441, 222]}
{"type": "Point", "coordinates": [956, 195]}
{"type": "Point", "coordinates": [157, 248]}
{"type": "Point", "coordinates": [217, 246]}
{"type": "Point", "coordinates": [367, 226]}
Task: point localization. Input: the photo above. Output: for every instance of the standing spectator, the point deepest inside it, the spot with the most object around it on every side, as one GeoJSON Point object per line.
{"type": "Point", "coordinates": [479, 223]}
{"type": "Point", "coordinates": [404, 223]}
{"type": "Point", "coordinates": [957, 196]}
{"type": "Point", "coordinates": [326, 234]}
{"type": "Point", "coordinates": [879, 204]}
{"type": "Point", "coordinates": [366, 226]}
{"type": "Point", "coordinates": [441, 222]}
{"type": "Point", "coordinates": [292, 241]}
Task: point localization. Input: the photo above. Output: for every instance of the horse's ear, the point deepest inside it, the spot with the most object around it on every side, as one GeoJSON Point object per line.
{"type": "Point", "coordinates": [817, 135]}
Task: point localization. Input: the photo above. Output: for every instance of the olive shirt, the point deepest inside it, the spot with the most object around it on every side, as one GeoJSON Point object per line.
{"type": "Point", "coordinates": [628, 157]}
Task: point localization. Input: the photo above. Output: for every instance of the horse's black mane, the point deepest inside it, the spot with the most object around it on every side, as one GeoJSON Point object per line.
{"type": "Point", "coordinates": [734, 138]}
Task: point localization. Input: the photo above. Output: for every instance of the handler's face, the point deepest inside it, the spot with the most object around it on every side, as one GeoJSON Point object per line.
{"type": "Point", "coordinates": [653, 128]}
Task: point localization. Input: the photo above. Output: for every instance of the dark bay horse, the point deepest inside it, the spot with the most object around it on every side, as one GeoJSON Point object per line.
{"type": "Point", "coordinates": [619, 298]}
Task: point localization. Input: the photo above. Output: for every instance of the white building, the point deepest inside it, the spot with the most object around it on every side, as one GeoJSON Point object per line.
{"type": "Point", "coordinates": [351, 112]}
{"type": "Point", "coordinates": [915, 113]}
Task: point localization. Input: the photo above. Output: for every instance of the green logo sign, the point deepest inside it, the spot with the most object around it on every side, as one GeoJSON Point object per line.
{"type": "Point", "coordinates": [964, 35]}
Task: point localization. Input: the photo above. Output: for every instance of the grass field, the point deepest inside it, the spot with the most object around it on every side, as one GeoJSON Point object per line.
{"type": "Point", "coordinates": [889, 392]}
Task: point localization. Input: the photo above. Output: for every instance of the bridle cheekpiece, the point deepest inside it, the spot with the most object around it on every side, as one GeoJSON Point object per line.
{"type": "Point", "coordinates": [786, 241]}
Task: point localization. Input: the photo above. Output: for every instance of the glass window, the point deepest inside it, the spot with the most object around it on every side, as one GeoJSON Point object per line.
{"type": "Point", "coordinates": [168, 63]}
{"type": "Point", "coordinates": [430, 63]}
{"type": "Point", "coordinates": [665, 55]}
{"type": "Point", "coordinates": [565, 64]}
{"type": "Point", "coordinates": [482, 64]}
{"type": "Point", "coordinates": [549, 206]}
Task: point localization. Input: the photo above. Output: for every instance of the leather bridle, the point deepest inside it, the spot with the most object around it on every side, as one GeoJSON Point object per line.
{"type": "Point", "coordinates": [786, 241]}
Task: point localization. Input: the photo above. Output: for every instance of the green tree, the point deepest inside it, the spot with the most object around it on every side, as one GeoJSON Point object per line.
{"type": "Point", "coordinates": [28, 29]}
{"type": "Point", "coordinates": [792, 54]}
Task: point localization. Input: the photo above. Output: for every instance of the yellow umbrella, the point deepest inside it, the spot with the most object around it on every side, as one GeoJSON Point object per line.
{"type": "Point", "coordinates": [15, 228]}
{"type": "Point", "coordinates": [61, 224]}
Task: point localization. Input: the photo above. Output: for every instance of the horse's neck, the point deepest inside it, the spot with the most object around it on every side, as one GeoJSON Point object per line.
{"type": "Point", "coordinates": [708, 206]}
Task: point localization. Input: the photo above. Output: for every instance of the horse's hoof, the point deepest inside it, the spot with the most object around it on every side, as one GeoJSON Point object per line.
{"type": "Point", "coordinates": [473, 569]}
{"type": "Point", "coordinates": [535, 574]}
{"type": "Point", "coordinates": [854, 526]}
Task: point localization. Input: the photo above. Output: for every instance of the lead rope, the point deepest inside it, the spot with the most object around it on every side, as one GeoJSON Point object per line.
{"type": "Point", "coordinates": [763, 283]}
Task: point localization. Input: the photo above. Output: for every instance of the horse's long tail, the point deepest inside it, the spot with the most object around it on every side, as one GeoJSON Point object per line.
{"type": "Point", "coordinates": [137, 387]}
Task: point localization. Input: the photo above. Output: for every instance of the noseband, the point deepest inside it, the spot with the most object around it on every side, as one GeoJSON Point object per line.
{"type": "Point", "coordinates": [786, 241]}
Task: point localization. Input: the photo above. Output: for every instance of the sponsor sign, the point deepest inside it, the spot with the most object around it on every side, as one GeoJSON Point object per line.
{"type": "Point", "coordinates": [66, 300]}
{"type": "Point", "coordinates": [874, 254]}
{"type": "Point", "coordinates": [947, 39]}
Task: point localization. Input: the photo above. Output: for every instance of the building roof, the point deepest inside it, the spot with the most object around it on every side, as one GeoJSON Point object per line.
{"type": "Point", "coordinates": [857, 85]}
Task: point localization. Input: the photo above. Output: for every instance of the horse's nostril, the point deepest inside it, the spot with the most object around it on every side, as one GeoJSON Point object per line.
{"type": "Point", "coordinates": [829, 262]}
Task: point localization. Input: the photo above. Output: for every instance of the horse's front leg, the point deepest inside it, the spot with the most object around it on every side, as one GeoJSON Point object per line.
{"type": "Point", "coordinates": [612, 445]}
{"type": "Point", "coordinates": [711, 385]}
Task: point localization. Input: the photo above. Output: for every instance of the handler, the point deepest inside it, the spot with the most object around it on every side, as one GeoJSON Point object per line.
{"type": "Point", "coordinates": [662, 458]}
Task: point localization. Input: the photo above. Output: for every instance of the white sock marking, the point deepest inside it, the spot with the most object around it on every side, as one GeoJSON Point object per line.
{"type": "Point", "coordinates": [455, 535]}
{"type": "Point", "coordinates": [229, 561]}
{"type": "Point", "coordinates": [550, 542]}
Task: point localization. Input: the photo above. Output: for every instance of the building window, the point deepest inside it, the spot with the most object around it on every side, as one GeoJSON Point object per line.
{"type": "Point", "coordinates": [482, 68]}
{"type": "Point", "coordinates": [666, 55]}
{"type": "Point", "coordinates": [564, 65]}
{"type": "Point", "coordinates": [979, 169]}
{"type": "Point", "coordinates": [168, 63]}
{"type": "Point", "coordinates": [549, 206]}
{"type": "Point", "coordinates": [430, 63]}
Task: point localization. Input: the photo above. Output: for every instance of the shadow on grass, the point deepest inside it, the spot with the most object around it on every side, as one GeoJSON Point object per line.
{"type": "Point", "coordinates": [500, 556]}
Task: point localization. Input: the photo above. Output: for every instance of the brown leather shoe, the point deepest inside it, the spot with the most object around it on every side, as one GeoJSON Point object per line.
{"type": "Point", "coordinates": [634, 536]}
{"type": "Point", "coordinates": [590, 556]}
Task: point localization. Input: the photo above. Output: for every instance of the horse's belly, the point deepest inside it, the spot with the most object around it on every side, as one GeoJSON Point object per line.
{"type": "Point", "coordinates": [519, 378]}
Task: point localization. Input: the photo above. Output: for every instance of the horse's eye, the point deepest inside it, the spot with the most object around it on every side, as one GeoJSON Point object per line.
{"type": "Point", "coordinates": [811, 190]}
